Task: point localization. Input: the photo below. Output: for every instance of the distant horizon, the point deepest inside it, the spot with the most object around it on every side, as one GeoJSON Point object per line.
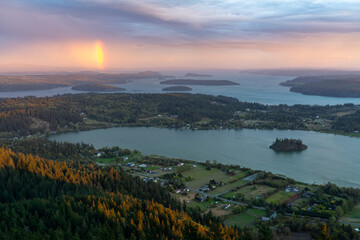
{"type": "Point", "coordinates": [19, 68]}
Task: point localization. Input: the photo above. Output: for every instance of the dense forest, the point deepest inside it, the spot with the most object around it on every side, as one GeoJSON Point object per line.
{"type": "Point", "coordinates": [45, 199]}
{"type": "Point", "coordinates": [30, 115]}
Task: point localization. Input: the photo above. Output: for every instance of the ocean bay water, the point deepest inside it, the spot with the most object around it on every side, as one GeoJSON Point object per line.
{"type": "Point", "coordinates": [263, 89]}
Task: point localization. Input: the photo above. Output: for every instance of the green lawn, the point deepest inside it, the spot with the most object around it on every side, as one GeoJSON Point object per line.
{"type": "Point", "coordinates": [240, 220]}
{"type": "Point", "coordinates": [299, 203]}
{"type": "Point", "coordinates": [152, 168]}
{"type": "Point", "coordinates": [202, 177]}
{"type": "Point", "coordinates": [355, 213]}
{"type": "Point", "coordinates": [238, 176]}
{"type": "Point", "coordinates": [202, 205]}
{"type": "Point", "coordinates": [279, 197]}
{"type": "Point", "coordinates": [106, 160]}
{"type": "Point", "coordinates": [348, 220]}
{"type": "Point", "coordinates": [256, 212]}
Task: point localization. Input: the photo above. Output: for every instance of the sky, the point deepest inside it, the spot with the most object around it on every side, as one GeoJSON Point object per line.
{"type": "Point", "coordinates": [180, 34]}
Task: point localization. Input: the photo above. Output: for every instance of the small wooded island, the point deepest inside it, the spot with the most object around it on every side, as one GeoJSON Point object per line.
{"type": "Point", "coordinates": [288, 145]}
{"type": "Point", "coordinates": [93, 87]}
{"type": "Point", "coordinates": [199, 82]}
{"type": "Point", "coordinates": [176, 89]}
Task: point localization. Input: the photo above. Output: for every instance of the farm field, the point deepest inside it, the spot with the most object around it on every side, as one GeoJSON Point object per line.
{"type": "Point", "coordinates": [251, 191]}
{"type": "Point", "coordinates": [280, 197]}
{"type": "Point", "coordinates": [246, 218]}
{"type": "Point", "coordinates": [202, 176]}
{"type": "Point", "coordinates": [226, 187]}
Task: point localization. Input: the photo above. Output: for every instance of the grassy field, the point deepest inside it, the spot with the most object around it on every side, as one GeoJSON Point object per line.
{"type": "Point", "coordinates": [355, 213]}
{"type": "Point", "coordinates": [240, 220]}
{"type": "Point", "coordinates": [238, 176]}
{"type": "Point", "coordinates": [202, 177]}
{"type": "Point", "coordinates": [251, 191]}
{"type": "Point", "coordinates": [256, 212]}
{"type": "Point", "coordinates": [202, 205]}
{"type": "Point", "coordinates": [106, 160]}
{"type": "Point", "coordinates": [279, 197]}
{"type": "Point", "coordinates": [226, 187]}
{"type": "Point", "coordinates": [301, 202]}
{"type": "Point", "coordinates": [246, 218]}
{"type": "Point", "coordinates": [353, 217]}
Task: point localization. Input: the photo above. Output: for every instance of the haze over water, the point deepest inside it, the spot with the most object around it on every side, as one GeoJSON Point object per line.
{"type": "Point", "coordinates": [263, 89]}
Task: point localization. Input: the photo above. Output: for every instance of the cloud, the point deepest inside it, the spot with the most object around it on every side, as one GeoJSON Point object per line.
{"type": "Point", "coordinates": [159, 25]}
{"type": "Point", "coordinates": [175, 22]}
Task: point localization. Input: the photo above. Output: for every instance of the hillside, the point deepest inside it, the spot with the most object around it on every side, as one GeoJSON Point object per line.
{"type": "Point", "coordinates": [69, 200]}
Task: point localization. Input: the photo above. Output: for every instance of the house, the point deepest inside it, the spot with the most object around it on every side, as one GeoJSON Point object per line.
{"type": "Point", "coordinates": [194, 166]}
{"type": "Point", "coordinates": [181, 164]}
{"type": "Point", "coordinates": [178, 191]}
{"type": "Point", "coordinates": [291, 189]}
{"type": "Point", "coordinates": [125, 158]}
{"type": "Point", "coordinates": [227, 206]}
{"type": "Point", "coordinates": [143, 165]}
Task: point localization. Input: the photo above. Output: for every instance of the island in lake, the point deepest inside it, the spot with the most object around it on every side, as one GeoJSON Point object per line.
{"type": "Point", "coordinates": [93, 87]}
{"type": "Point", "coordinates": [288, 145]}
{"type": "Point", "coordinates": [199, 82]}
{"type": "Point", "coordinates": [177, 89]}
{"type": "Point", "coordinates": [197, 75]}
{"type": "Point", "coordinates": [328, 85]}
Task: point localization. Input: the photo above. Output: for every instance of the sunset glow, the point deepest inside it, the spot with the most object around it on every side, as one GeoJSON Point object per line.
{"type": "Point", "coordinates": [155, 34]}
{"type": "Point", "coordinates": [99, 51]}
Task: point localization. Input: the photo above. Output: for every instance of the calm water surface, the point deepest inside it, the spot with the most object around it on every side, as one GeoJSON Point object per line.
{"type": "Point", "coordinates": [253, 88]}
{"type": "Point", "coordinates": [329, 157]}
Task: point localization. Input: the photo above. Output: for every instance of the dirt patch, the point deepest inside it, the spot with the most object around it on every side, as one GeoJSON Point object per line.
{"type": "Point", "coordinates": [219, 211]}
{"type": "Point", "coordinates": [37, 124]}
{"type": "Point", "coordinates": [189, 197]}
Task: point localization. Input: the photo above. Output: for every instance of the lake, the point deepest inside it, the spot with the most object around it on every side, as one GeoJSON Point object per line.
{"type": "Point", "coordinates": [329, 158]}
{"type": "Point", "coordinates": [263, 89]}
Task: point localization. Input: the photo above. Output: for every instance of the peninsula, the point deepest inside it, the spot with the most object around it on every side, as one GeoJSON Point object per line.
{"type": "Point", "coordinates": [329, 85]}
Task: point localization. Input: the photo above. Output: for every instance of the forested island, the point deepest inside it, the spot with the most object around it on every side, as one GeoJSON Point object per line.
{"type": "Point", "coordinates": [287, 145]}
{"type": "Point", "coordinates": [176, 89]}
{"type": "Point", "coordinates": [328, 85]}
{"type": "Point", "coordinates": [199, 82]}
{"type": "Point", "coordinates": [93, 87]}
{"type": "Point", "coordinates": [197, 75]}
